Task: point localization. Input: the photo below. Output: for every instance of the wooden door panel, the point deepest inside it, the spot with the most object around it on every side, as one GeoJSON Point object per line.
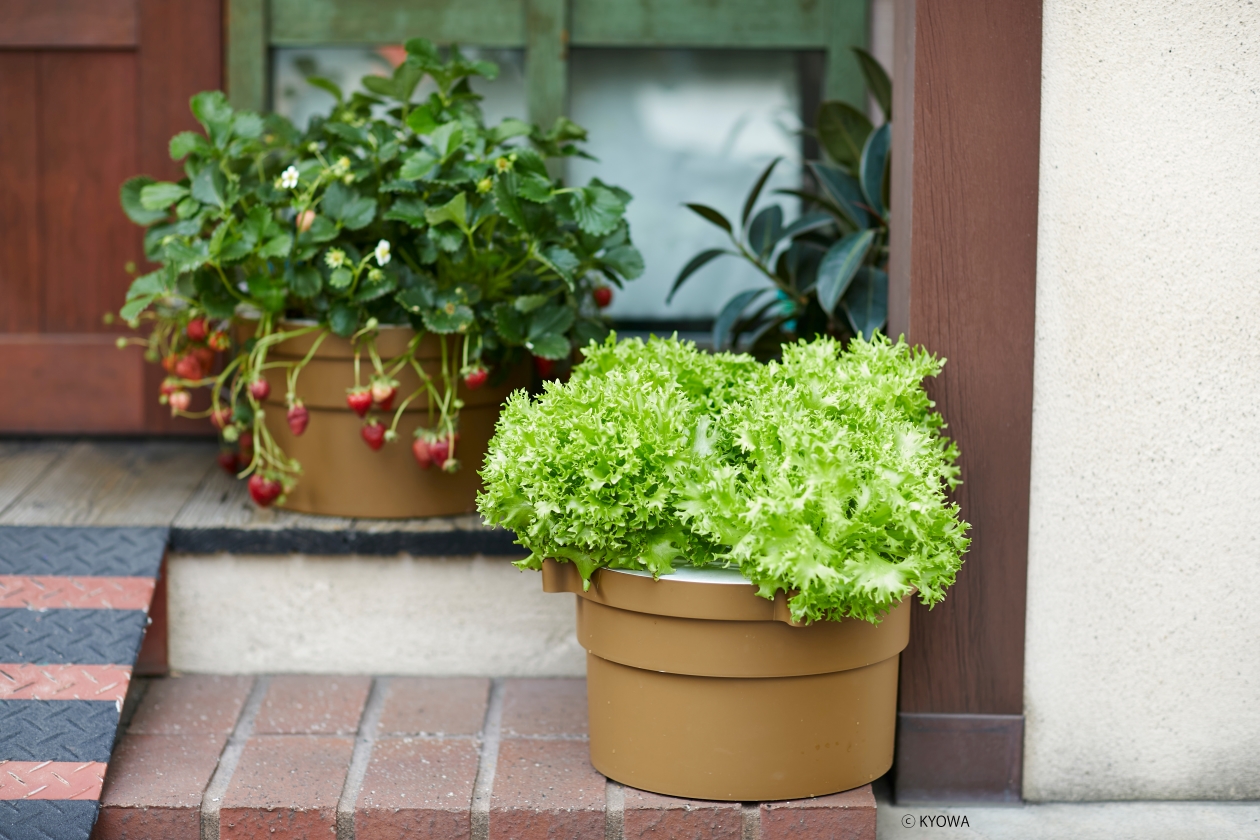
{"type": "Point", "coordinates": [87, 133]}
{"type": "Point", "coordinates": [68, 23]}
{"type": "Point", "coordinates": [92, 92]}
{"type": "Point", "coordinates": [20, 305]}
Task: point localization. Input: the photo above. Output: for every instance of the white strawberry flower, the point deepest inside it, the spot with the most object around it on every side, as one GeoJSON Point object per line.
{"type": "Point", "coordinates": [382, 252]}
{"type": "Point", "coordinates": [289, 178]}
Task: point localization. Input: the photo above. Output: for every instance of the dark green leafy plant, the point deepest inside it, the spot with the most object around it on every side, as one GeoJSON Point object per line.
{"type": "Point", "coordinates": [823, 475]}
{"type": "Point", "coordinates": [387, 211]}
{"type": "Point", "coordinates": [827, 270]}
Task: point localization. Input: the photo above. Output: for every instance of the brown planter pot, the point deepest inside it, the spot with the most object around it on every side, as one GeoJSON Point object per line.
{"type": "Point", "coordinates": [698, 688]}
{"type": "Point", "coordinates": [341, 476]}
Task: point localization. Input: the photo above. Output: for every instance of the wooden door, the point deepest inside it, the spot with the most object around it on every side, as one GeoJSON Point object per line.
{"type": "Point", "coordinates": [90, 93]}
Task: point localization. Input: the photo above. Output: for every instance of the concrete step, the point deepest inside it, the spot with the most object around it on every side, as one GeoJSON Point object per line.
{"type": "Point", "coordinates": [305, 756]}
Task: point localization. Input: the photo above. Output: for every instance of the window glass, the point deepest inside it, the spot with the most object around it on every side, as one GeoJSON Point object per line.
{"type": "Point", "coordinates": [346, 66]}
{"type": "Point", "coordinates": [675, 126]}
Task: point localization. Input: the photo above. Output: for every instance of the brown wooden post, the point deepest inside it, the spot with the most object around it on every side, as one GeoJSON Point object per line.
{"type": "Point", "coordinates": [963, 284]}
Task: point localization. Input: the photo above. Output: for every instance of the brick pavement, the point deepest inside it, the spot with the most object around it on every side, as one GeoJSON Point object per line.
{"type": "Point", "coordinates": [227, 758]}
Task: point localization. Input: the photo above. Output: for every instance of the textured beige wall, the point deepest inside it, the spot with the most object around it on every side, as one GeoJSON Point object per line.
{"type": "Point", "coordinates": [234, 614]}
{"type": "Point", "coordinates": [1143, 646]}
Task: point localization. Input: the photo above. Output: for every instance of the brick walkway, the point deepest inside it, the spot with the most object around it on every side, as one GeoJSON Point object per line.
{"type": "Point", "coordinates": [222, 758]}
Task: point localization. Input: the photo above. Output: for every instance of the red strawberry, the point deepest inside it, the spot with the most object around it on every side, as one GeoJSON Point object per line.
{"type": "Point", "coordinates": [476, 377]}
{"type": "Point", "coordinates": [360, 401]}
{"type": "Point", "coordinates": [602, 295]}
{"type": "Point", "coordinates": [373, 435]}
{"type": "Point", "coordinates": [260, 389]}
{"type": "Point", "coordinates": [421, 450]}
{"type": "Point", "coordinates": [179, 400]}
{"type": "Point", "coordinates": [383, 394]}
{"type": "Point", "coordinates": [189, 367]}
{"type": "Point", "coordinates": [196, 329]}
{"type": "Point", "coordinates": [264, 491]}
{"type": "Point", "coordinates": [219, 341]}
{"type": "Point", "coordinates": [168, 387]}
{"type": "Point", "coordinates": [440, 449]}
{"type": "Point", "coordinates": [230, 461]}
{"type": "Point", "coordinates": [298, 417]}
{"type": "Point", "coordinates": [221, 418]}
{"type": "Point", "coordinates": [205, 356]}
{"type": "Point", "coordinates": [544, 367]}
{"type": "Point", "coordinates": [246, 443]}
{"type": "Point", "coordinates": [168, 363]}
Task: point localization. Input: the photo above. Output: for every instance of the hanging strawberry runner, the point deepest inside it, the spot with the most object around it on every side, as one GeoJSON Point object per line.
{"type": "Point", "coordinates": [393, 210]}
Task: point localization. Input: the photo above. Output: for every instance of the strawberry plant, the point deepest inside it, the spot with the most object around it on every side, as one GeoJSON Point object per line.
{"type": "Point", "coordinates": [824, 475]}
{"type": "Point", "coordinates": [388, 210]}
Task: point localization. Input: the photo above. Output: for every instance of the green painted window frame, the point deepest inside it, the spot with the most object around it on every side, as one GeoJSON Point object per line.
{"type": "Point", "coordinates": [545, 30]}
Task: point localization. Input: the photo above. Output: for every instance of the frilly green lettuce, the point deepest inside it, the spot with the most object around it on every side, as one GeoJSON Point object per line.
{"type": "Point", "coordinates": [823, 475]}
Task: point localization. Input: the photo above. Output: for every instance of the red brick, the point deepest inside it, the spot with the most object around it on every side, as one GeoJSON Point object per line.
{"type": "Point", "coordinates": [286, 787]}
{"type": "Point", "coordinates": [841, 816]}
{"type": "Point", "coordinates": [545, 707]}
{"type": "Point", "coordinates": [193, 705]}
{"type": "Point", "coordinates": [650, 815]}
{"type": "Point", "coordinates": [546, 790]}
{"type": "Point", "coordinates": [417, 788]}
{"type": "Point", "coordinates": [313, 705]}
{"type": "Point", "coordinates": [154, 785]}
{"type": "Point", "coordinates": [147, 824]}
{"type": "Point", "coordinates": [429, 706]}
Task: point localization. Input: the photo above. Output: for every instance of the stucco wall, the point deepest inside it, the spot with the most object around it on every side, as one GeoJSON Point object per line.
{"type": "Point", "coordinates": [1143, 645]}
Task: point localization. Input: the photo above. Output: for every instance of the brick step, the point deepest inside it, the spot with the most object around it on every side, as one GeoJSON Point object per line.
{"type": "Point", "coordinates": [378, 758]}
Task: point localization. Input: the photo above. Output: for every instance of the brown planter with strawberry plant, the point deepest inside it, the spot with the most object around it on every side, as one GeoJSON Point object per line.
{"type": "Point", "coordinates": [348, 466]}
{"type": "Point", "coordinates": [377, 283]}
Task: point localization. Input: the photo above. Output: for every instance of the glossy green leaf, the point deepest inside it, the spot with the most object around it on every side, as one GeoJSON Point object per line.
{"type": "Point", "coordinates": [755, 192]}
{"type": "Point", "coordinates": [528, 303]}
{"type": "Point", "coordinates": [269, 292]}
{"type": "Point", "coordinates": [730, 314]}
{"type": "Point", "coordinates": [697, 262]}
{"type": "Point", "coordinates": [712, 216]}
{"type": "Point", "coordinates": [808, 223]}
{"type": "Point", "coordinates": [209, 186]}
{"type": "Point", "coordinates": [839, 265]}
{"type": "Point", "coordinates": [842, 131]}
{"type": "Point", "coordinates": [866, 304]}
{"type": "Point", "coordinates": [247, 125]}
{"type": "Point", "coordinates": [877, 80]}
{"type": "Point", "coordinates": [508, 129]}
{"type": "Point", "coordinates": [341, 278]}
{"type": "Point", "coordinates": [845, 191]}
{"type": "Point", "coordinates": [874, 167]}
{"type": "Point", "coordinates": [766, 230]}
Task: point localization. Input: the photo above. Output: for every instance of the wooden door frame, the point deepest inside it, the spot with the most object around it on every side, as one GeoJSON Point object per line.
{"type": "Point", "coordinates": [966, 140]}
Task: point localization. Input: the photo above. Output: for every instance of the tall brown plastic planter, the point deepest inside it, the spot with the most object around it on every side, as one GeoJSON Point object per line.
{"type": "Point", "coordinates": [700, 689]}
{"type": "Point", "coordinates": [341, 476]}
